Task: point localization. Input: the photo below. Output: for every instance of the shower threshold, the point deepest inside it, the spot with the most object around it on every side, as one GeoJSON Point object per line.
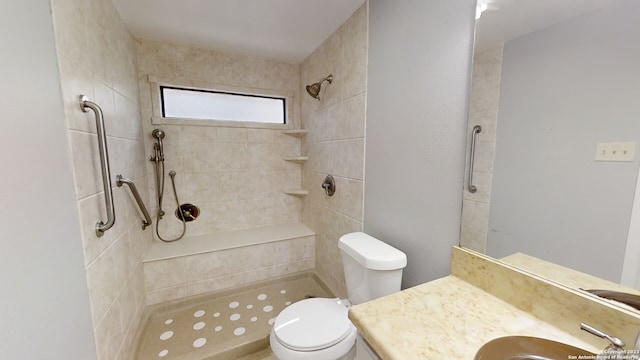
{"type": "Point", "coordinates": [232, 324]}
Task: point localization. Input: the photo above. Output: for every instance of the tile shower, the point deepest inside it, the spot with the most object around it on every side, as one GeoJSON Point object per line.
{"type": "Point", "coordinates": [236, 175]}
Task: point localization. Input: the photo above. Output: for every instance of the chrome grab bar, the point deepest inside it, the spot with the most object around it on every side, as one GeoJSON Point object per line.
{"type": "Point", "coordinates": [123, 180]}
{"type": "Point", "coordinates": [104, 163]}
{"type": "Point", "coordinates": [474, 132]}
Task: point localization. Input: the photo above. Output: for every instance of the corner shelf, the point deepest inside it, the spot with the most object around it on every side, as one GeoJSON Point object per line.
{"type": "Point", "coordinates": [295, 132]}
{"type": "Point", "coordinates": [297, 192]}
{"type": "Point", "coordinates": [298, 159]}
{"type": "Point", "coordinates": [299, 133]}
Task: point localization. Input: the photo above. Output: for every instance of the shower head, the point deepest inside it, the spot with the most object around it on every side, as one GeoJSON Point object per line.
{"type": "Point", "coordinates": [158, 134]}
{"type": "Point", "coordinates": [314, 89]}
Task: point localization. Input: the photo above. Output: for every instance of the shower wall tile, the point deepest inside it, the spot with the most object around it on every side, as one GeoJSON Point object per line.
{"type": "Point", "coordinates": [86, 163]}
{"type": "Point", "coordinates": [97, 58]}
{"type": "Point", "coordinates": [236, 175]}
{"type": "Point", "coordinates": [335, 142]}
{"type": "Point", "coordinates": [197, 274]}
{"type": "Point", "coordinates": [355, 53]}
{"type": "Point", "coordinates": [483, 111]}
{"type": "Point", "coordinates": [163, 274]}
{"type": "Point", "coordinates": [78, 81]}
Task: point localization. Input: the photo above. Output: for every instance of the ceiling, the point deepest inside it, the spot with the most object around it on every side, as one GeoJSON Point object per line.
{"type": "Point", "coordinates": [286, 30]}
{"type": "Point", "coordinates": [290, 30]}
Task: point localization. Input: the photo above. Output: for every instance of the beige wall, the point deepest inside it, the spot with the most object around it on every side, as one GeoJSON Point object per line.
{"type": "Point", "coordinates": [96, 58]}
{"type": "Point", "coordinates": [335, 142]}
{"type": "Point", "coordinates": [483, 111]}
{"type": "Point", "coordinates": [235, 175]}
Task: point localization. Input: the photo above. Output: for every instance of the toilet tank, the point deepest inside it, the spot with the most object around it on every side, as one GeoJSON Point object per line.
{"type": "Point", "coordinates": [372, 268]}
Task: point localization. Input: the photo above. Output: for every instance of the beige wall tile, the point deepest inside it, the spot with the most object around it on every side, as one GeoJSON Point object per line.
{"type": "Point", "coordinates": [483, 111]}
{"type": "Point", "coordinates": [235, 175]}
{"type": "Point", "coordinates": [335, 143]}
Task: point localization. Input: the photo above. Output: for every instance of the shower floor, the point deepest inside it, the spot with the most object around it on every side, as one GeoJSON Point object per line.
{"type": "Point", "coordinates": [234, 324]}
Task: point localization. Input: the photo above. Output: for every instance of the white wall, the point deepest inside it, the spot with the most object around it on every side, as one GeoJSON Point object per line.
{"type": "Point", "coordinates": [417, 106]}
{"type": "Point", "coordinates": [563, 90]}
{"type": "Point", "coordinates": [44, 307]}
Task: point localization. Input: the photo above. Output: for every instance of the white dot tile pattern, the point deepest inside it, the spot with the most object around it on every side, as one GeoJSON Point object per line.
{"type": "Point", "coordinates": [181, 330]}
{"type": "Point", "coordinates": [200, 342]}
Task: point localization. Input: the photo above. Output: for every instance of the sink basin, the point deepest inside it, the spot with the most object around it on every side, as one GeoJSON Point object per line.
{"type": "Point", "coordinates": [527, 348]}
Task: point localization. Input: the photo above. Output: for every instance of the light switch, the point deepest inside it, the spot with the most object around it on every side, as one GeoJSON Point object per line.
{"type": "Point", "coordinates": [615, 151]}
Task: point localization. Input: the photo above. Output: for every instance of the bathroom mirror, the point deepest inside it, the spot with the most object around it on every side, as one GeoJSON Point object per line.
{"type": "Point", "coordinates": [556, 90]}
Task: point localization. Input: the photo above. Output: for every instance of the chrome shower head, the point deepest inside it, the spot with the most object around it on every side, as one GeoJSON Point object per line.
{"type": "Point", "coordinates": [158, 134]}
{"type": "Point", "coordinates": [314, 89]}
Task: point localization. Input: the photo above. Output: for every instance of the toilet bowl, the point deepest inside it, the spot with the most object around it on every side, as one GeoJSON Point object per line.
{"type": "Point", "coordinates": [319, 328]}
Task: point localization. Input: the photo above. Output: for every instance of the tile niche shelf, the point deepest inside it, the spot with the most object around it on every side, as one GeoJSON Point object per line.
{"type": "Point", "coordinates": [299, 133]}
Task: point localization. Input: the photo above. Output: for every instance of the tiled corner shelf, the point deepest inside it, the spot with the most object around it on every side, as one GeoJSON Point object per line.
{"type": "Point", "coordinates": [298, 159]}
{"type": "Point", "coordinates": [297, 192]}
{"type": "Point", "coordinates": [299, 133]}
{"type": "Point", "coordinates": [295, 132]}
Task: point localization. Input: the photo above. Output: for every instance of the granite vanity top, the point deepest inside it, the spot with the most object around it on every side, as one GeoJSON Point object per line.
{"type": "Point", "coordinates": [446, 318]}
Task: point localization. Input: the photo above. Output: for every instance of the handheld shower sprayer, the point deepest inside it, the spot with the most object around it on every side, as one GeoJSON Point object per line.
{"type": "Point", "coordinates": [158, 159]}
{"type": "Point", "coordinates": [159, 147]}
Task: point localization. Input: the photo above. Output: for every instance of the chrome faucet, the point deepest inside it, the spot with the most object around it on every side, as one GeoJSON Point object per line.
{"type": "Point", "coordinates": [615, 350]}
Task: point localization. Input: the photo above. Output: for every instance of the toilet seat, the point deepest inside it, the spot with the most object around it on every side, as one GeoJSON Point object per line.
{"type": "Point", "coordinates": [313, 324]}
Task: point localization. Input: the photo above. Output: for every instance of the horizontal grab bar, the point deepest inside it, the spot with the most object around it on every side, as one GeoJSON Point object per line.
{"type": "Point", "coordinates": [123, 180]}
{"type": "Point", "coordinates": [104, 164]}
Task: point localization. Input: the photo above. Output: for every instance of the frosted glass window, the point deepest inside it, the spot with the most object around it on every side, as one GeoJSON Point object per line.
{"type": "Point", "coordinates": [212, 105]}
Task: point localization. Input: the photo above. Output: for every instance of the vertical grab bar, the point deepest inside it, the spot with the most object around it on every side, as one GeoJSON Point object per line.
{"type": "Point", "coordinates": [104, 163]}
{"type": "Point", "coordinates": [474, 132]}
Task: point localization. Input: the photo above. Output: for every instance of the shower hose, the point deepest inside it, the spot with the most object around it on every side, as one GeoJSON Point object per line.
{"type": "Point", "coordinates": [160, 187]}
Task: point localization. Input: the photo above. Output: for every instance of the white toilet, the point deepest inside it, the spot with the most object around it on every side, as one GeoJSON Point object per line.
{"type": "Point", "coordinates": [319, 328]}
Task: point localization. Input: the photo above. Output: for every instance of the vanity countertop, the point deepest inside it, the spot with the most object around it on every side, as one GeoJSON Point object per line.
{"type": "Point", "coordinates": [447, 318]}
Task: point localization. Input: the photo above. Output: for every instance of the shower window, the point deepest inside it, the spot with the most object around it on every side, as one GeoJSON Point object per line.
{"type": "Point", "coordinates": [209, 105]}
{"type": "Point", "coordinates": [185, 102]}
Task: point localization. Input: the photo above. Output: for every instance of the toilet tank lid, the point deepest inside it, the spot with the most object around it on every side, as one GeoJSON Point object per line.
{"type": "Point", "coordinates": [371, 252]}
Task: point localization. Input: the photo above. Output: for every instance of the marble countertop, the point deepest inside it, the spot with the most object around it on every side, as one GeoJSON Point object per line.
{"type": "Point", "coordinates": [446, 318]}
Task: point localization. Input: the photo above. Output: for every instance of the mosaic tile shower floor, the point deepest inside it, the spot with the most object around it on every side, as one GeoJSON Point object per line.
{"type": "Point", "coordinates": [227, 325]}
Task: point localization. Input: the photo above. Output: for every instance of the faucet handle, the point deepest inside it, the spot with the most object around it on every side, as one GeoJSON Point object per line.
{"type": "Point", "coordinates": [615, 342]}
